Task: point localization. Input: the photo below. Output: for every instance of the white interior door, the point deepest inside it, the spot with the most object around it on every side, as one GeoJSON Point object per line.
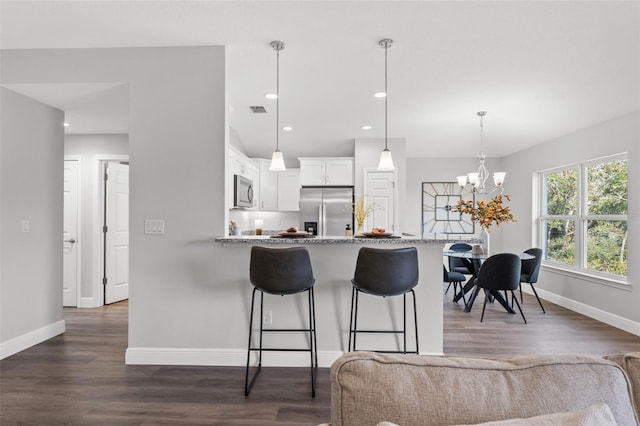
{"type": "Point", "coordinates": [380, 187]}
{"type": "Point", "coordinates": [117, 233]}
{"type": "Point", "coordinates": [70, 235]}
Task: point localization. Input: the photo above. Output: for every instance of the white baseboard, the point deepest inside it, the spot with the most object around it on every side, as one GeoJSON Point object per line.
{"type": "Point", "coordinates": [589, 311]}
{"type": "Point", "coordinates": [32, 338]}
{"type": "Point", "coordinates": [226, 357]}
{"type": "Point", "coordinates": [88, 302]}
{"type": "Point", "coordinates": [223, 357]}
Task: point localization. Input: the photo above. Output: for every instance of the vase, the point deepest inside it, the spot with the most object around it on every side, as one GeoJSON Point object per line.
{"type": "Point", "coordinates": [359, 230]}
{"type": "Point", "coordinates": [485, 236]}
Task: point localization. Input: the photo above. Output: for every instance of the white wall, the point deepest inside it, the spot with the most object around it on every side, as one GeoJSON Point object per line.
{"type": "Point", "coordinates": [31, 152]}
{"type": "Point", "coordinates": [87, 147]}
{"type": "Point", "coordinates": [614, 304]}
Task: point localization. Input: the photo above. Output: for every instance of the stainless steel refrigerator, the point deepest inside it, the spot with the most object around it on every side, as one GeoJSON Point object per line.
{"type": "Point", "coordinates": [326, 210]}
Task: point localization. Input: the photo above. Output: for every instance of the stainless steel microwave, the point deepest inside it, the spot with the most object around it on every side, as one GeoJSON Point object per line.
{"type": "Point", "coordinates": [242, 192]}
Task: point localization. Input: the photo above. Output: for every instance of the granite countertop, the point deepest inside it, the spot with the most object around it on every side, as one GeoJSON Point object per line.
{"type": "Point", "coordinates": [265, 239]}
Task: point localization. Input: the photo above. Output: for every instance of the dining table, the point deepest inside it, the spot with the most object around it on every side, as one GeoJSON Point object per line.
{"type": "Point", "coordinates": [473, 261]}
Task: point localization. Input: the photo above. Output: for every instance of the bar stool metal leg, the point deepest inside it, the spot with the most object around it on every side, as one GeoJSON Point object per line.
{"type": "Point", "coordinates": [415, 320]}
{"type": "Point", "coordinates": [353, 290]}
{"type": "Point", "coordinates": [353, 323]}
{"type": "Point", "coordinates": [404, 321]}
{"type": "Point", "coordinates": [313, 342]}
{"type": "Point", "coordinates": [247, 384]}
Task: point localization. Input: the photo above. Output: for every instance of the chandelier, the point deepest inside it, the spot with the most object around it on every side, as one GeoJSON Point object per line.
{"type": "Point", "coordinates": [475, 181]}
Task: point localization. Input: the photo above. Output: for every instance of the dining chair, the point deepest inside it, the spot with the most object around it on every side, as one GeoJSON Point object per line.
{"type": "Point", "coordinates": [455, 278]}
{"type": "Point", "coordinates": [530, 272]}
{"type": "Point", "coordinates": [282, 271]}
{"type": "Point", "coordinates": [457, 264]}
{"type": "Point", "coordinates": [500, 272]}
{"type": "Point", "coordinates": [385, 273]}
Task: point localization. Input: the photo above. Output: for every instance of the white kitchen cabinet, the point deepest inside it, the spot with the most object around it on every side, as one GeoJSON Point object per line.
{"type": "Point", "coordinates": [289, 190]}
{"type": "Point", "coordinates": [326, 171]}
{"type": "Point", "coordinates": [268, 190]}
{"type": "Point", "coordinates": [278, 191]}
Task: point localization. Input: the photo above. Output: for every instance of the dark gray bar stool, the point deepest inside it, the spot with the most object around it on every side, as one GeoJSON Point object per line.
{"type": "Point", "coordinates": [282, 271]}
{"type": "Point", "coordinates": [384, 272]}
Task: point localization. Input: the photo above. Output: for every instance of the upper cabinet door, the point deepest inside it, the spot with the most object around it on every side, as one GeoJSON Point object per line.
{"type": "Point", "coordinates": [326, 171]}
{"type": "Point", "coordinates": [268, 187]}
{"type": "Point", "coordinates": [339, 172]}
{"type": "Point", "coordinates": [312, 172]}
{"type": "Point", "coordinates": [289, 190]}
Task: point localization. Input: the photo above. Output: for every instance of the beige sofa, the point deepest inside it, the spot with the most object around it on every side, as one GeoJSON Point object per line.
{"type": "Point", "coordinates": [371, 389]}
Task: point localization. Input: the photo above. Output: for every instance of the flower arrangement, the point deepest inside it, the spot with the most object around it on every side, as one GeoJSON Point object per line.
{"type": "Point", "coordinates": [362, 211]}
{"type": "Point", "coordinates": [487, 213]}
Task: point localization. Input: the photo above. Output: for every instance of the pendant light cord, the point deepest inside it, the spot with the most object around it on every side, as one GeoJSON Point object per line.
{"type": "Point", "coordinates": [386, 94]}
{"type": "Point", "coordinates": [277, 99]}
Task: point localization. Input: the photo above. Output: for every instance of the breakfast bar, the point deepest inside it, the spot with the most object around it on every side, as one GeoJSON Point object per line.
{"type": "Point", "coordinates": [333, 260]}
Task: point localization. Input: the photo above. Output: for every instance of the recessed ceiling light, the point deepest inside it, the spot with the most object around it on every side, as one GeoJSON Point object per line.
{"type": "Point", "coordinates": [271, 96]}
{"type": "Point", "coordinates": [65, 124]}
{"type": "Point", "coordinates": [287, 128]}
{"type": "Point", "coordinates": [365, 127]}
{"type": "Point", "coordinates": [380, 94]}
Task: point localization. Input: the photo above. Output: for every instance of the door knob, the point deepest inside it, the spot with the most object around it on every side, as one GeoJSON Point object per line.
{"type": "Point", "coordinates": [72, 240]}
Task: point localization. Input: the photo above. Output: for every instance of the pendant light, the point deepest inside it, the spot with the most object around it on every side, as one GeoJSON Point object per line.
{"type": "Point", "coordinates": [386, 162]}
{"type": "Point", "coordinates": [277, 160]}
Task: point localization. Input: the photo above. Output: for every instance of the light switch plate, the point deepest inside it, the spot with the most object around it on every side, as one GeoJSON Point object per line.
{"type": "Point", "coordinates": [26, 227]}
{"type": "Point", "coordinates": [154, 227]}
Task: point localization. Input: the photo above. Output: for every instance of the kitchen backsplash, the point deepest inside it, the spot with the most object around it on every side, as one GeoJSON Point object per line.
{"type": "Point", "coordinates": [271, 221]}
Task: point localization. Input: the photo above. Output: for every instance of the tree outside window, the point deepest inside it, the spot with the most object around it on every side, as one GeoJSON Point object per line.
{"type": "Point", "coordinates": [583, 217]}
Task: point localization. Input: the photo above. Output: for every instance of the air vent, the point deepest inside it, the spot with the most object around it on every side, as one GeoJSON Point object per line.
{"type": "Point", "coordinates": [258, 109]}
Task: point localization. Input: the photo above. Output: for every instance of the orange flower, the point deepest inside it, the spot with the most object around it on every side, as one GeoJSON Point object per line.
{"type": "Point", "coordinates": [487, 213]}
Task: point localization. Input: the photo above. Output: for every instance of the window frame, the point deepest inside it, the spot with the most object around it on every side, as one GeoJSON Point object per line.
{"type": "Point", "coordinates": [580, 218]}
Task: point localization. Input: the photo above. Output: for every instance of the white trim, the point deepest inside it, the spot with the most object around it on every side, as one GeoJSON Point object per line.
{"type": "Point", "coordinates": [582, 274]}
{"type": "Point", "coordinates": [589, 311]}
{"type": "Point", "coordinates": [223, 357]}
{"type": "Point", "coordinates": [228, 357]}
{"type": "Point", "coordinates": [32, 338]}
{"type": "Point", "coordinates": [87, 302]}
{"type": "Point", "coordinates": [79, 238]}
{"type": "Point", "coordinates": [96, 285]}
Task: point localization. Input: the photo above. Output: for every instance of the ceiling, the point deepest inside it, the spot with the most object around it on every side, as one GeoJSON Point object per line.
{"type": "Point", "coordinates": [541, 69]}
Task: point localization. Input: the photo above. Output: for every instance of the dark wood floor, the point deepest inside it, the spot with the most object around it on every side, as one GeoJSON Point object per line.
{"type": "Point", "coordinates": [79, 378]}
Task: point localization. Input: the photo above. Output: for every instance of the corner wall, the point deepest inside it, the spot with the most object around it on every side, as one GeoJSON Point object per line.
{"type": "Point", "coordinates": [177, 123]}
{"type": "Point", "coordinates": [31, 188]}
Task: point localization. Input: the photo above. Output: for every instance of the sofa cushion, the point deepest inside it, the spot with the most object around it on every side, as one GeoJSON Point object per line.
{"type": "Point", "coordinates": [631, 364]}
{"type": "Point", "coordinates": [594, 415]}
{"type": "Point", "coordinates": [368, 388]}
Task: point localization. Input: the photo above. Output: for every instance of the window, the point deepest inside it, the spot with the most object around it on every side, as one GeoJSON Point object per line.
{"type": "Point", "coordinates": [583, 216]}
